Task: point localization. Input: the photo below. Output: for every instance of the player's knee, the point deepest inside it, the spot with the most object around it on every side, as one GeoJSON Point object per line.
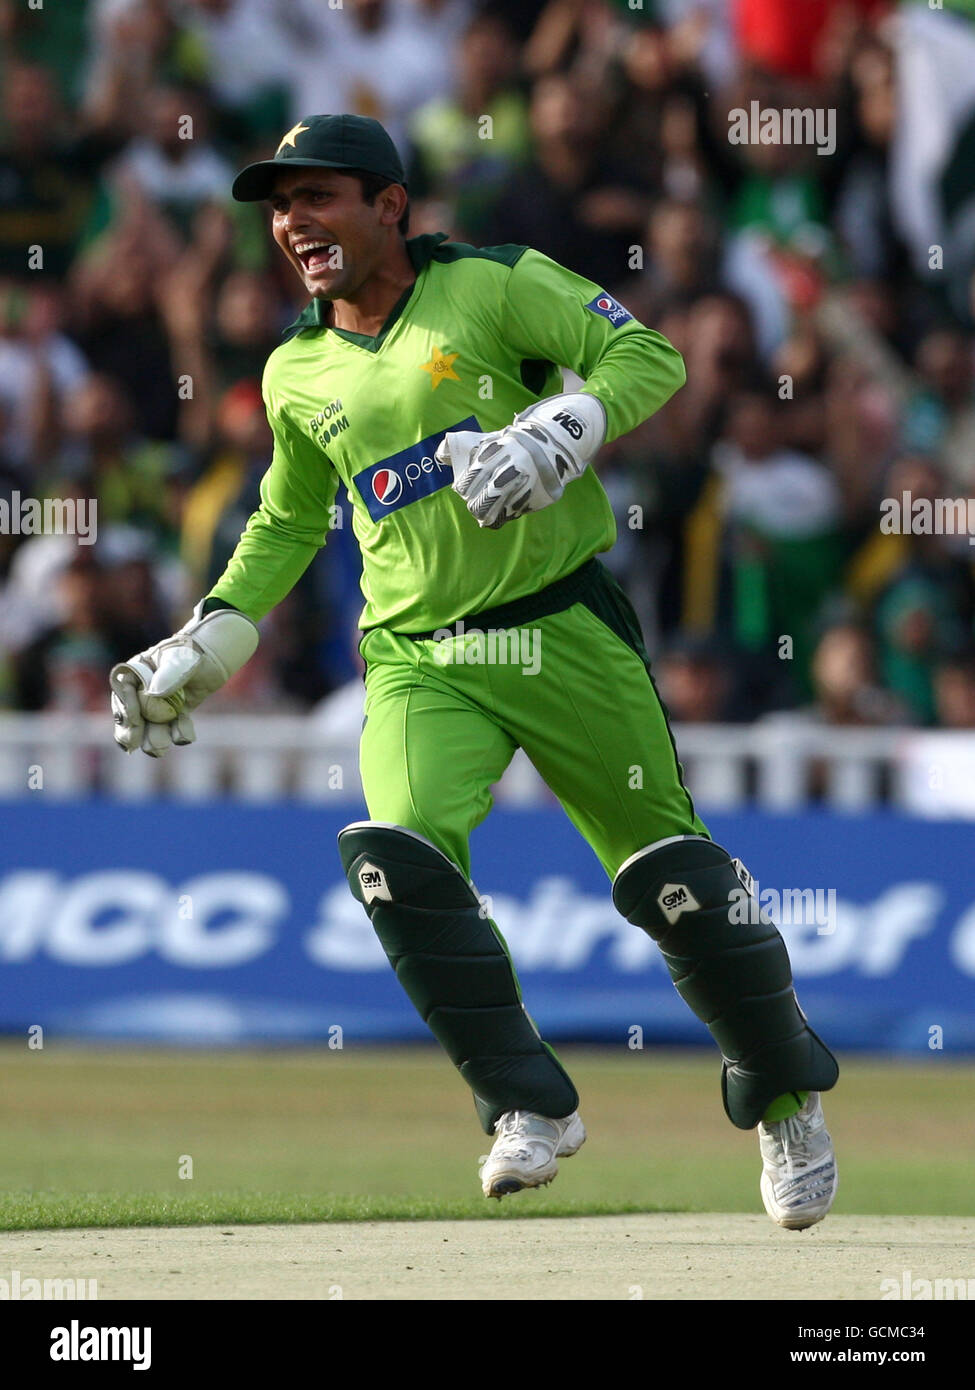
{"type": "Point", "coordinates": [386, 863]}
{"type": "Point", "coordinates": [681, 876]}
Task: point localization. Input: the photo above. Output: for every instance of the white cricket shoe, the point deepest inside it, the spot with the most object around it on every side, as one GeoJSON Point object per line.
{"type": "Point", "coordinates": [525, 1151]}
{"type": "Point", "coordinates": [799, 1177]}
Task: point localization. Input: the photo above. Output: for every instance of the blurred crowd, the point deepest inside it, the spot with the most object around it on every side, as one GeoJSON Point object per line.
{"type": "Point", "coordinates": [829, 350]}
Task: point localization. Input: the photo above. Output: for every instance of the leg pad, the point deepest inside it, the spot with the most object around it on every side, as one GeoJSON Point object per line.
{"type": "Point", "coordinates": [453, 963]}
{"type": "Point", "coordinates": [730, 965]}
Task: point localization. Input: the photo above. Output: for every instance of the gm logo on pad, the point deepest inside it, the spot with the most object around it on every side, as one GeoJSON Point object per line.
{"type": "Point", "coordinates": [675, 898]}
{"type": "Point", "coordinates": [373, 883]}
{"type": "Point", "coordinates": [409, 475]}
{"type": "Point", "coordinates": [610, 308]}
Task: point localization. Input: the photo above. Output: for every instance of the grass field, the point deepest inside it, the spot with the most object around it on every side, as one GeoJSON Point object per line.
{"type": "Point", "coordinates": [96, 1137]}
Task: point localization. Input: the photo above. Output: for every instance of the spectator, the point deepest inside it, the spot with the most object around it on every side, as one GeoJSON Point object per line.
{"type": "Point", "coordinates": [846, 689]}
{"type": "Point", "coordinates": [219, 504]}
{"type": "Point", "coordinates": [862, 215]}
{"type": "Point", "coordinates": [249, 50]}
{"type": "Point", "coordinates": [367, 56]}
{"type": "Point", "coordinates": [117, 319]}
{"type": "Point", "coordinates": [954, 690]}
{"type": "Point", "coordinates": [465, 145]}
{"type": "Point", "coordinates": [67, 666]}
{"type": "Point", "coordinates": [130, 476]}
{"type": "Point", "coordinates": [569, 203]}
{"type": "Point", "coordinates": [784, 544]}
{"type": "Point", "coordinates": [926, 603]}
{"type": "Point", "coordinates": [39, 365]}
{"type": "Point", "coordinates": [134, 609]}
{"type": "Point", "coordinates": [682, 257]}
{"type": "Point", "coordinates": [48, 177]}
{"type": "Point", "coordinates": [172, 163]}
{"type": "Point", "coordinates": [940, 417]}
{"type": "Point", "coordinates": [845, 682]}
{"type": "Point", "coordinates": [694, 677]}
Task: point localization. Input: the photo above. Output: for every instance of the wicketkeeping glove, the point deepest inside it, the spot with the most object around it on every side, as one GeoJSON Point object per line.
{"type": "Point", "coordinates": [525, 467]}
{"type": "Point", "coordinates": [153, 692]}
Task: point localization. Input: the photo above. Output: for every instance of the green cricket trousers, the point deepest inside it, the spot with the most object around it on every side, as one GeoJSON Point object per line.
{"type": "Point", "coordinates": [562, 674]}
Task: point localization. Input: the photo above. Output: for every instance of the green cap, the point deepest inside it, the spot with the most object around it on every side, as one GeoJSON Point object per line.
{"type": "Point", "coordinates": [325, 142]}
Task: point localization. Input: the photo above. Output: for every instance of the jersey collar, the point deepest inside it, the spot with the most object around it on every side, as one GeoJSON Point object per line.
{"type": "Point", "coordinates": [420, 250]}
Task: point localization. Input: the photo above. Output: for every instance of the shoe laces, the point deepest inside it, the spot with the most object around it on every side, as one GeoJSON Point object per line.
{"type": "Point", "coordinates": [508, 1123]}
{"type": "Point", "coordinates": [507, 1130]}
{"type": "Point", "coordinates": [795, 1137]}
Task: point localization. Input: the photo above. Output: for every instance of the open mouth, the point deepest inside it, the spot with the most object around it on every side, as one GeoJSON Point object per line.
{"type": "Point", "coordinates": [315, 255]}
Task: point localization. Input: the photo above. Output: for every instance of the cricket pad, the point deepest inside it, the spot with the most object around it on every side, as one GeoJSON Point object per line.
{"type": "Point", "coordinates": [453, 963]}
{"type": "Point", "coordinates": [734, 974]}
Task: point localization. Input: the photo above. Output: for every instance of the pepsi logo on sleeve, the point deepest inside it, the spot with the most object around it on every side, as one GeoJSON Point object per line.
{"type": "Point", "coordinates": [610, 308]}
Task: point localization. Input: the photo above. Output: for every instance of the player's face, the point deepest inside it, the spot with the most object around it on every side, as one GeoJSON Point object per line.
{"type": "Point", "coordinates": [328, 232]}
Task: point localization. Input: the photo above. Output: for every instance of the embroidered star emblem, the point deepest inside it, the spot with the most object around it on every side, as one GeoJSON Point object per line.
{"type": "Point", "coordinates": [291, 137]}
{"type": "Point", "coordinates": [440, 367]}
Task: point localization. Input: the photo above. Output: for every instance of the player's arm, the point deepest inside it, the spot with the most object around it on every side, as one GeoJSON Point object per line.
{"type": "Point", "coordinates": [289, 527]}
{"type": "Point", "coordinates": [628, 371]}
{"type": "Point", "coordinates": [554, 314]}
{"type": "Point", "coordinates": [153, 693]}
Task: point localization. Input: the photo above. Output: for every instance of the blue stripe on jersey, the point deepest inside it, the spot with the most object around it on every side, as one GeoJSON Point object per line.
{"type": "Point", "coordinates": [405, 477]}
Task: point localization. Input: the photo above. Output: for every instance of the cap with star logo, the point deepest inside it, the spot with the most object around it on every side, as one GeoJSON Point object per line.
{"type": "Point", "coordinates": [325, 142]}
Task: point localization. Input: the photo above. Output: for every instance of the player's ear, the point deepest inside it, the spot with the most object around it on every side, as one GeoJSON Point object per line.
{"type": "Point", "coordinates": [392, 200]}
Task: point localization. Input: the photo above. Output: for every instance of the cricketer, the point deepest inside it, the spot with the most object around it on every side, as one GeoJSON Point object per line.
{"type": "Point", "coordinates": [426, 377]}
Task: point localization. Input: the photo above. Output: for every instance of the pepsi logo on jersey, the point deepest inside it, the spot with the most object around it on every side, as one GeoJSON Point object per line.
{"type": "Point", "coordinates": [387, 486]}
{"type": "Point", "coordinates": [405, 477]}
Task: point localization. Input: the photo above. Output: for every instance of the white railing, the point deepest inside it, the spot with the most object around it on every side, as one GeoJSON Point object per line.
{"type": "Point", "coordinates": [780, 767]}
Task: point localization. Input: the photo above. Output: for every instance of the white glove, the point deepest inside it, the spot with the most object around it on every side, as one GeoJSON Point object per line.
{"type": "Point", "coordinates": [525, 466]}
{"type": "Point", "coordinates": [153, 692]}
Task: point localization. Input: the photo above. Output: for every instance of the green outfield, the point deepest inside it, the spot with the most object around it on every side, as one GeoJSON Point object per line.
{"type": "Point", "coordinates": [97, 1137]}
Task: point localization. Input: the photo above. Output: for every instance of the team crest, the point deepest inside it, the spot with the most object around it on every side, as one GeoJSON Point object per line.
{"type": "Point", "coordinates": [440, 367]}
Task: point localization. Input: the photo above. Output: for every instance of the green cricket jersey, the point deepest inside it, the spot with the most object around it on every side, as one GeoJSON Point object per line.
{"type": "Point", "coordinates": [479, 336]}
